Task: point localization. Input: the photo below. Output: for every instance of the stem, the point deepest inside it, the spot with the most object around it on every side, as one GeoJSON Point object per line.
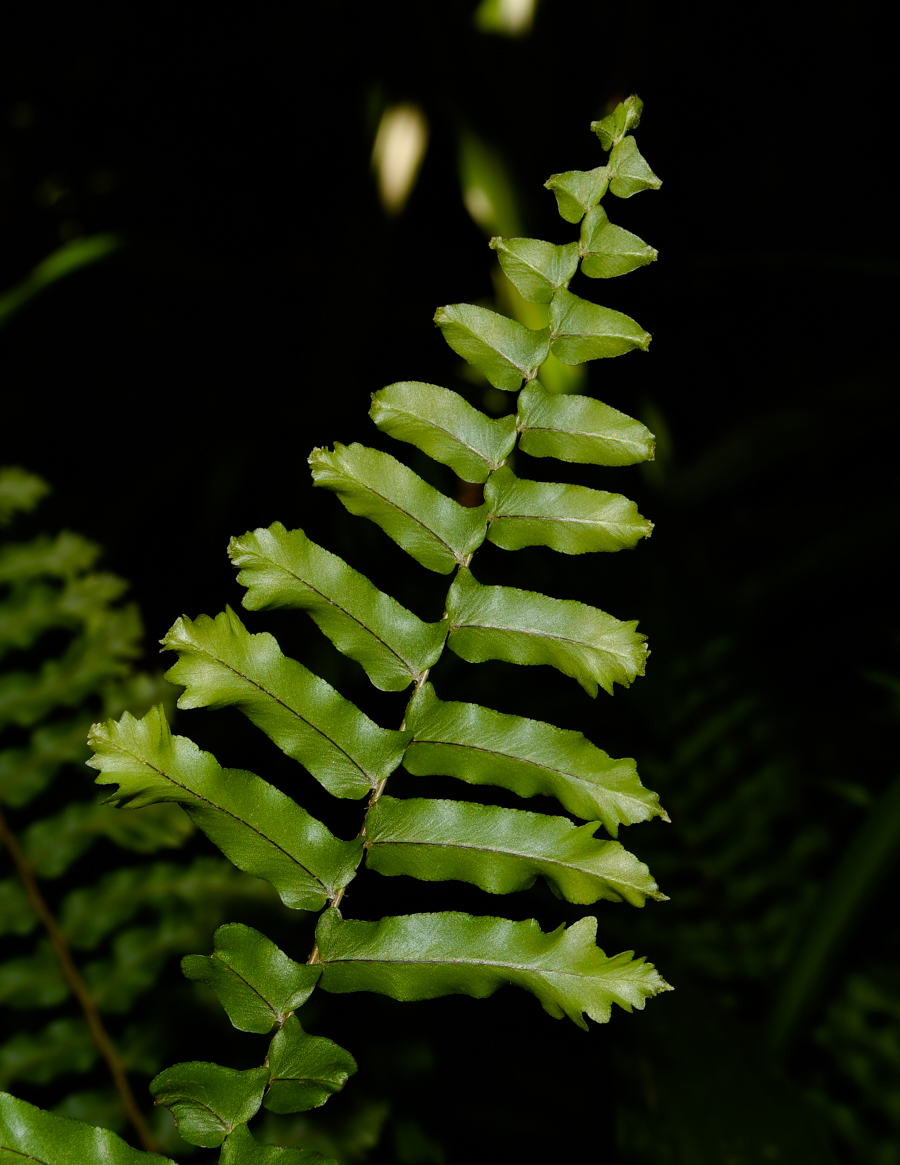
{"type": "Point", "coordinates": [79, 987]}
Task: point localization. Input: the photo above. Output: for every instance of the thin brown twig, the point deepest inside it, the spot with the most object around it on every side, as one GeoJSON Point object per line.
{"type": "Point", "coordinates": [79, 987]}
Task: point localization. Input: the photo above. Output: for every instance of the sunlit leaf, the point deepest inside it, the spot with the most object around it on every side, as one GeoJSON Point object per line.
{"type": "Point", "coordinates": [446, 427]}
{"type": "Point", "coordinates": [221, 664]}
{"type": "Point", "coordinates": [283, 568]}
{"type": "Point", "coordinates": [438, 532]}
{"type": "Point", "coordinates": [571, 519]}
{"type": "Point", "coordinates": [423, 956]}
{"type": "Point", "coordinates": [256, 826]}
{"type": "Point", "coordinates": [502, 850]}
{"type": "Point", "coordinates": [503, 349]}
{"type": "Point", "coordinates": [529, 757]}
{"type": "Point", "coordinates": [579, 428]}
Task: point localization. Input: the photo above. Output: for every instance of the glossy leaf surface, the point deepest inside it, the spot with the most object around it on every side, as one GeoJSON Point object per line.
{"type": "Point", "coordinates": [221, 664]}
{"type": "Point", "coordinates": [209, 1101]}
{"type": "Point", "coordinates": [536, 268]}
{"type": "Point", "coordinates": [284, 568]}
{"type": "Point", "coordinates": [436, 531]}
{"type": "Point", "coordinates": [577, 191]}
{"type": "Point", "coordinates": [525, 627]}
{"type": "Point", "coordinates": [256, 826]}
{"type": "Point", "coordinates": [585, 331]}
{"type": "Point", "coordinates": [423, 956]}
{"type": "Point", "coordinates": [502, 850]}
{"type": "Point", "coordinates": [608, 250]}
{"type": "Point", "coordinates": [529, 757]}
{"type": "Point", "coordinates": [27, 1133]}
{"type": "Point", "coordinates": [304, 1070]}
{"type": "Point", "coordinates": [256, 983]}
{"type": "Point", "coordinates": [445, 426]}
{"type": "Point", "coordinates": [580, 429]}
{"type": "Point", "coordinates": [503, 349]}
{"type": "Point", "coordinates": [571, 519]}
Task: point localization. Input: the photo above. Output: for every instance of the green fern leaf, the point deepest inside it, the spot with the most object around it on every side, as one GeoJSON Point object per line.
{"type": "Point", "coordinates": [282, 568]}
{"type": "Point", "coordinates": [256, 983]}
{"type": "Point", "coordinates": [577, 191]}
{"type": "Point", "coordinates": [20, 491]}
{"type": "Point", "coordinates": [305, 1070]}
{"type": "Point", "coordinates": [503, 349]}
{"type": "Point", "coordinates": [256, 826]}
{"type": "Point", "coordinates": [609, 250]}
{"type": "Point", "coordinates": [208, 1101]}
{"type": "Point", "coordinates": [240, 1148]}
{"type": "Point", "coordinates": [629, 173]}
{"type": "Point", "coordinates": [525, 627]}
{"type": "Point", "coordinates": [536, 268]}
{"type": "Point", "coordinates": [502, 850]}
{"type": "Point", "coordinates": [446, 427]}
{"type": "Point", "coordinates": [60, 556]}
{"type": "Point", "coordinates": [582, 330]}
{"type": "Point", "coordinates": [27, 1133]}
{"type": "Point", "coordinates": [64, 1045]}
{"type": "Point", "coordinates": [437, 532]}
{"type": "Point", "coordinates": [580, 429]}
{"type": "Point", "coordinates": [570, 519]}
{"type": "Point", "coordinates": [33, 980]}
{"type": "Point", "coordinates": [624, 118]}
{"type": "Point", "coordinates": [423, 956]}
{"type": "Point", "coordinates": [222, 664]}
{"type": "Point", "coordinates": [529, 757]}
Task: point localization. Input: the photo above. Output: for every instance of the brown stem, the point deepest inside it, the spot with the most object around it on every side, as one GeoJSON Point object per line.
{"type": "Point", "coordinates": [79, 987]}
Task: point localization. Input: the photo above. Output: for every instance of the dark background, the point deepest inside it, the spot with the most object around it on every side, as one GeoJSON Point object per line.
{"type": "Point", "coordinates": [172, 393]}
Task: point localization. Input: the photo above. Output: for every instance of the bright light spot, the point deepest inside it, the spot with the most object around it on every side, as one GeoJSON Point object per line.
{"type": "Point", "coordinates": [509, 17]}
{"type": "Point", "coordinates": [399, 148]}
{"type": "Point", "coordinates": [479, 205]}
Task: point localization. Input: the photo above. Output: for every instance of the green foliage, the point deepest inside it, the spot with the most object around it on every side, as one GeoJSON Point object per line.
{"type": "Point", "coordinates": [497, 849]}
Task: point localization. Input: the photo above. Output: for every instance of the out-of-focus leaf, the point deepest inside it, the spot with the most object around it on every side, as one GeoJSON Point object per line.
{"type": "Point", "coordinates": [221, 664]}
{"type": "Point", "coordinates": [582, 330]}
{"type": "Point", "coordinates": [530, 757]}
{"type": "Point", "coordinates": [27, 1133]}
{"type": "Point", "coordinates": [536, 268]}
{"type": "Point", "coordinates": [304, 1070]}
{"type": "Point", "coordinates": [17, 915]}
{"type": "Point", "coordinates": [446, 427]}
{"type": "Point", "coordinates": [436, 531]}
{"type": "Point", "coordinates": [423, 956]}
{"type": "Point", "coordinates": [138, 956]}
{"type": "Point", "coordinates": [199, 890]}
{"type": "Point", "coordinates": [502, 850]}
{"type": "Point", "coordinates": [20, 491]}
{"type": "Point", "coordinates": [256, 983]}
{"type": "Point", "coordinates": [578, 190]}
{"type": "Point", "coordinates": [283, 568]}
{"type": "Point", "coordinates": [25, 616]}
{"type": "Point", "coordinates": [25, 772]}
{"type": "Point", "coordinates": [503, 349]}
{"type": "Point", "coordinates": [571, 519]}
{"type": "Point", "coordinates": [526, 627]}
{"type": "Point", "coordinates": [240, 1148]}
{"type": "Point", "coordinates": [624, 118]}
{"type": "Point", "coordinates": [608, 250]}
{"type": "Point", "coordinates": [65, 1045]}
{"type": "Point", "coordinates": [52, 844]}
{"type": "Point", "coordinates": [578, 428]}
{"type": "Point", "coordinates": [629, 173]}
{"type": "Point", "coordinates": [61, 556]}
{"type": "Point", "coordinates": [261, 830]}
{"type": "Point", "coordinates": [34, 980]}
{"type": "Point", "coordinates": [208, 1101]}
